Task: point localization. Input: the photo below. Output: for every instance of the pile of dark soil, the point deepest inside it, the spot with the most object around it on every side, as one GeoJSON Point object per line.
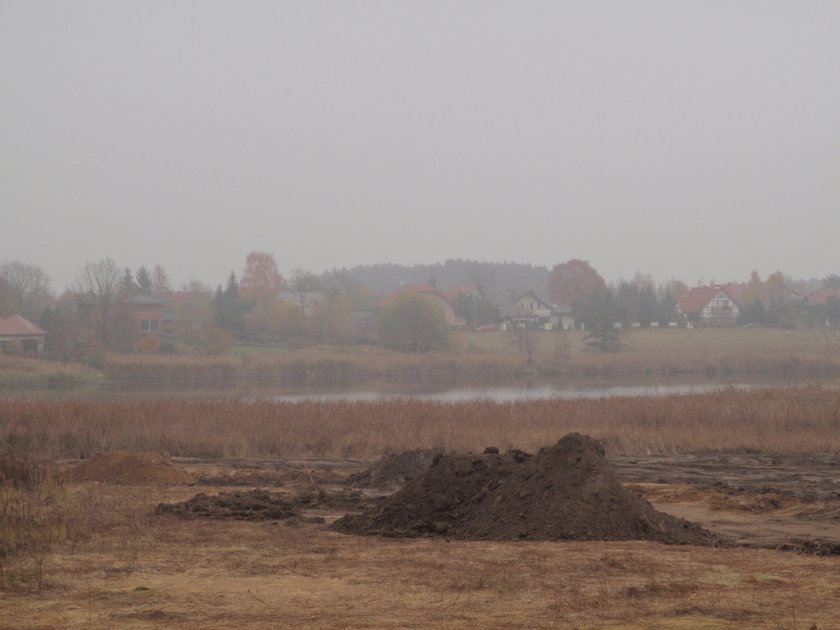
{"type": "Point", "coordinates": [396, 468]}
{"type": "Point", "coordinates": [256, 505]}
{"type": "Point", "coordinates": [566, 492]}
{"type": "Point", "coordinates": [130, 467]}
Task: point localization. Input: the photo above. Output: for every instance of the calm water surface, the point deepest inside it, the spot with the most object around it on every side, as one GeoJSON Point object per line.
{"type": "Point", "coordinates": [497, 390]}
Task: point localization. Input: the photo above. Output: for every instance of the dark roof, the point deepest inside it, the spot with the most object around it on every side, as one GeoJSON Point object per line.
{"type": "Point", "coordinates": [17, 325]}
{"type": "Point", "coordinates": [454, 291]}
{"type": "Point", "coordinates": [135, 298]}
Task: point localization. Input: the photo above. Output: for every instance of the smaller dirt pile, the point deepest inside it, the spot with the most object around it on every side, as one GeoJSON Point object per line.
{"type": "Point", "coordinates": [566, 492]}
{"type": "Point", "coordinates": [258, 505]}
{"type": "Point", "coordinates": [396, 468]}
{"type": "Point", "coordinates": [130, 467]}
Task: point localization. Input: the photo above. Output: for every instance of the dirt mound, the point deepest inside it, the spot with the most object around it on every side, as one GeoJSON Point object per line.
{"type": "Point", "coordinates": [566, 492]}
{"type": "Point", "coordinates": [396, 468]}
{"type": "Point", "coordinates": [263, 505]}
{"type": "Point", "coordinates": [130, 467]}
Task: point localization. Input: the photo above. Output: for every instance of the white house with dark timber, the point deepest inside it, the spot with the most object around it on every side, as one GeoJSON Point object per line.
{"type": "Point", "coordinates": [532, 311]}
{"type": "Point", "coordinates": [713, 306]}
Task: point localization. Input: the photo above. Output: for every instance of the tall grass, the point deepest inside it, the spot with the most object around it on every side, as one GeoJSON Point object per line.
{"type": "Point", "coordinates": [804, 419]}
{"type": "Point", "coordinates": [37, 511]}
{"type": "Point", "coordinates": [23, 371]}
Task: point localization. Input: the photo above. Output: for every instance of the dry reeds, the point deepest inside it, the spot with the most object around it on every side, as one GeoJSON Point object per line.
{"type": "Point", "coordinates": [24, 371]}
{"type": "Point", "coordinates": [37, 510]}
{"type": "Point", "coordinates": [800, 419]}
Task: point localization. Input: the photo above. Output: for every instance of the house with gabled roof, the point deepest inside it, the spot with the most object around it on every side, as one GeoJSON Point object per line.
{"type": "Point", "coordinates": [714, 306]}
{"type": "Point", "coordinates": [17, 330]}
{"type": "Point", "coordinates": [530, 310]}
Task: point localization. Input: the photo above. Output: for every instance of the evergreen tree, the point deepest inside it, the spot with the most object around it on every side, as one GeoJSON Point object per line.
{"type": "Point", "coordinates": [232, 287]}
{"type": "Point", "coordinates": [228, 309]}
{"type": "Point", "coordinates": [603, 337]}
{"type": "Point", "coordinates": [144, 281]}
{"type": "Point", "coordinates": [753, 313]}
{"type": "Point", "coordinates": [648, 307]}
{"type": "Point", "coordinates": [127, 282]}
{"type": "Point", "coordinates": [832, 310]}
{"type": "Point", "coordinates": [667, 308]}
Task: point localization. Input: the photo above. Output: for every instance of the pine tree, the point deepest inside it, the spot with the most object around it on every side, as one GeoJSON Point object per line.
{"type": "Point", "coordinates": [127, 283]}
{"type": "Point", "coordinates": [144, 281]}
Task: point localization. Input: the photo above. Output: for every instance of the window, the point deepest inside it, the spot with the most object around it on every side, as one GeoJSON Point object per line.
{"type": "Point", "coordinates": [149, 325]}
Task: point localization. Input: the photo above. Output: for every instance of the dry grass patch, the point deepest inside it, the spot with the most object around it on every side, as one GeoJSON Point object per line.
{"type": "Point", "coordinates": [481, 355]}
{"type": "Point", "coordinates": [144, 572]}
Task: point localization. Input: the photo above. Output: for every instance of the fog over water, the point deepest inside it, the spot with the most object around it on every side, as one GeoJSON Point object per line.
{"type": "Point", "coordinates": [699, 140]}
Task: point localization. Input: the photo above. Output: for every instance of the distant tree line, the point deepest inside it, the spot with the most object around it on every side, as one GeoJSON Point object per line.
{"type": "Point", "coordinates": [261, 306]}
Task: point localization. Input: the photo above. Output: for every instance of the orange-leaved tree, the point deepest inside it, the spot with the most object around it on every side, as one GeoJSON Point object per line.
{"type": "Point", "coordinates": [575, 283]}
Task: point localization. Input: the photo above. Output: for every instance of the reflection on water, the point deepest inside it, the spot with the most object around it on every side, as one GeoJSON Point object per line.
{"type": "Point", "coordinates": [502, 390]}
{"type": "Point", "coordinates": [509, 394]}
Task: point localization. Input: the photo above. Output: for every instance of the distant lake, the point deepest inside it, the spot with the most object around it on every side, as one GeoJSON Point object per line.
{"type": "Point", "coordinates": [502, 390]}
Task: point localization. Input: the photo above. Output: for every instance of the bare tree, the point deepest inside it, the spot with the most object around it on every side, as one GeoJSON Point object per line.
{"type": "Point", "coordinates": [301, 283]}
{"type": "Point", "coordinates": [161, 287]}
{"type": "Point", "coordinates": [27, 289]}
{"type": "Point", "coordinates": [482, 275]}
{"type": "Point", "coordinates": [99, 291]}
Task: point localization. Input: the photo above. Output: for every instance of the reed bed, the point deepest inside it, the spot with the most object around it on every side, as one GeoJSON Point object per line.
{"type": "Point", "coordinates": [318, 366]}
{"type": "Point", "coordinates": [797, 419]}
{"type": "Point", "coordinates": [23, 371]}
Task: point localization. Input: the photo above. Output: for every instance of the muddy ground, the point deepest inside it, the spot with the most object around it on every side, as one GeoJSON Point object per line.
{"type": "Point", "coordinates": [779, 501]}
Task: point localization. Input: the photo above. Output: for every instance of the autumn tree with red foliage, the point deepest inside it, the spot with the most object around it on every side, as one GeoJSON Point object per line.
{"type": "Point", "coordinates": [576, 283]}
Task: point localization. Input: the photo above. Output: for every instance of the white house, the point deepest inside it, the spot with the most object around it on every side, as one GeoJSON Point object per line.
{"type": "Point", "coordinates": [532, 311]}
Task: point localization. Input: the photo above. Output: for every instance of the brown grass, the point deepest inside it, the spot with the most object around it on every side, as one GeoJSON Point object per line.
{"type": "Point", "coordinates": [23, 371]}
{"type": "Point", "coordinates": [141, 571]}
{"type": "Point", "coordinates": [798, 419]}
{"type": "Point", "coordinates": [318, 365]}
{"type": "Point", "coordinates": [647, 352]}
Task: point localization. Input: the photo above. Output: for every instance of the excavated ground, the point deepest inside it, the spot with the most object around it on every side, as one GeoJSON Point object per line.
{"type": "Point", "coordinates": [777, 501]}
{"type": "Point", "coordinates": [565, 492]}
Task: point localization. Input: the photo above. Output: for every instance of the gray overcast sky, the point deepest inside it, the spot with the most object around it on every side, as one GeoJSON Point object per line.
{"type": "Point", "coordinates": [686, 139]}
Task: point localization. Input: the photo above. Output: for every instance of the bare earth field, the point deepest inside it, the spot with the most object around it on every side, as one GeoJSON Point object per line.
{"type": "Point", "coordinates": [140, 569]}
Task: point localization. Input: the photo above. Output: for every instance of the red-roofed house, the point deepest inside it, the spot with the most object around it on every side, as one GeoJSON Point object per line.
{"type": "Point", "coordinates": [470, 290]}
{"type": "Point", "coordinates": [452, 319]}
{"type": "Point", "coordinates": [19, 330]}
{"type": "Point", "coordinates": [709, 306]}
{"type": "Point", "coordinates": [821, 297]}
{"type": "Point", "coordinates": [736, 291]}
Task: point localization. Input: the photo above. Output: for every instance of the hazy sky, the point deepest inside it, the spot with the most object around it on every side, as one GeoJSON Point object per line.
{"type": "Point", "coordinates": [686, 139]}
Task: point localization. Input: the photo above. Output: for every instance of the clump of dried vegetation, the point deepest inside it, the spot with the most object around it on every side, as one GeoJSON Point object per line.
{"type": "Point", "coordinates": [16, 371]}
{"type": "Point", "coordinates": [37, 511]}
{"type": "Point", "coordinates": [797, 419]}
